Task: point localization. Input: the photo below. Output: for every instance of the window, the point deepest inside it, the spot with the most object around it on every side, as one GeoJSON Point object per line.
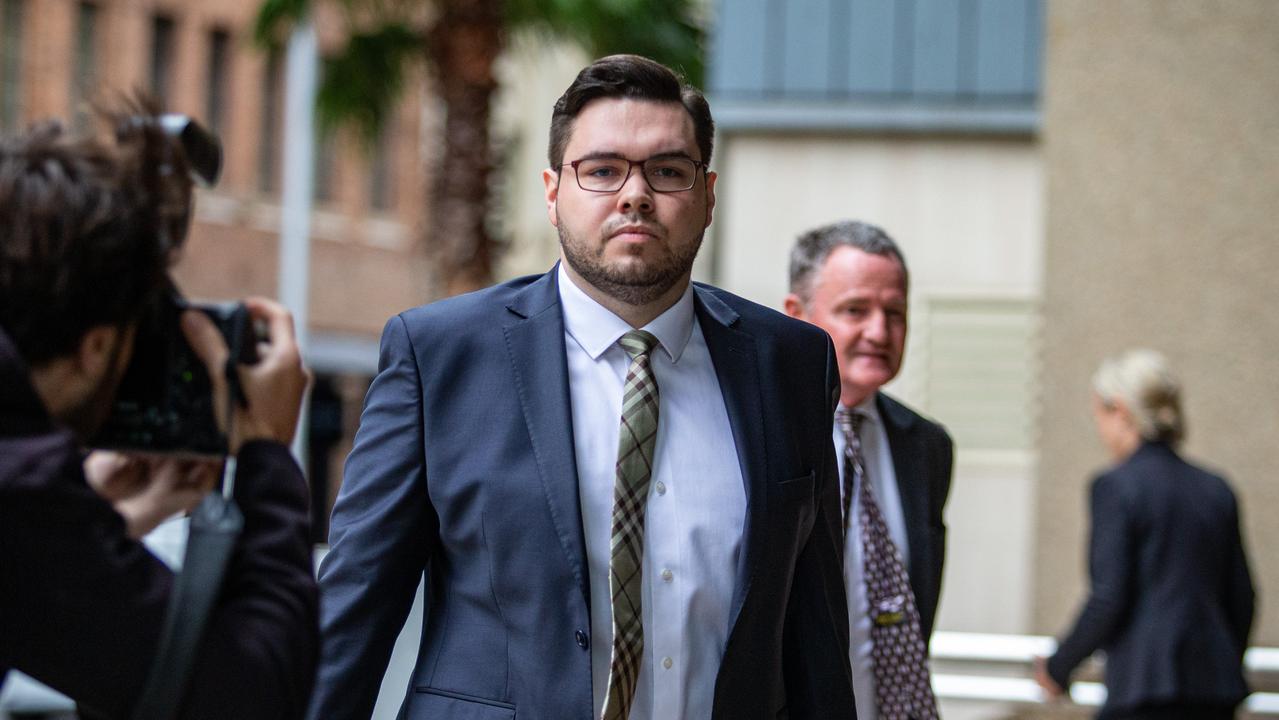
{"type": "Point", "coordinates": [216, 90]}
{"type": "Point", "coordinates": [162, 36]}
{"type": "Point", "coordinates": [382, 172]}
{"type": "Point", "coordinates": [11, 19]}
{"type": "Point", "coordinates": [322, 159]}
{"type": "Point", "coordinates": [322, 162]}
{"type": "Point", "coordinates": [86, 61]}
{"type": "Point", "coordinates": [874, 65]}
{"type": "Point", "coordinates": [270, 107]}
{"type": "Point", "coordinates": [980, 359]}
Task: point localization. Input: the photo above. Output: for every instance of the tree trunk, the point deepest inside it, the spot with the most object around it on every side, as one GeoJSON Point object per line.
{"type": "Point", "coordinates": [463, 47]}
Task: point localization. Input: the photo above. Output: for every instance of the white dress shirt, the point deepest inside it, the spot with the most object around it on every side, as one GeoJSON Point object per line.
{"type": "Point", "coordinates": [696, 502]}
{"type": "Point", "coordinates": [878, 460]}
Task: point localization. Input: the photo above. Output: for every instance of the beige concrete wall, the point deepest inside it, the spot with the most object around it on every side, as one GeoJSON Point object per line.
{"type": "Point", "coordinates": [965, 211]}
{"type": "Point", "coordinates": [1161, 146]}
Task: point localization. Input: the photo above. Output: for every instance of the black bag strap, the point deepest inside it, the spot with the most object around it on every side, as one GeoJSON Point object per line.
{"type": "Point", "coordinates": [215, 525]}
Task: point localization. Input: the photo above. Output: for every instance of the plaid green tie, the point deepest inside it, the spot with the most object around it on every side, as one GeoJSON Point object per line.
{"type": "Point", "coordinates": [634, 468]}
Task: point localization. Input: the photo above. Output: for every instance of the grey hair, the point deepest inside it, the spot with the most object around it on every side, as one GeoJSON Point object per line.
{"type": "Point", "coordinates": [1143, 380]}
{"type": "Point", "coordinates": [813, 247]}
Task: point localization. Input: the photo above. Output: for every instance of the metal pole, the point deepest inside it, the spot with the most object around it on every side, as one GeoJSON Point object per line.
{"type": "Point", "coordinates": [301, 73]}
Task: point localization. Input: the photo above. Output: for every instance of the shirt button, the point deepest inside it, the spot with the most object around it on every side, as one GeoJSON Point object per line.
{"type": "Point", "coordinates": [667, 575]}
{"type": "Point", "coordinates": [581, 639]}
{"type": "Point", "coordinates": [661, 488]}
{"type": "Point", "coordinates": [667, 663]}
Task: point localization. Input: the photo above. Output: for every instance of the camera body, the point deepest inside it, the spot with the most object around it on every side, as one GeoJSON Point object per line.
{"type": "Point", "coordinates": [164, 402]}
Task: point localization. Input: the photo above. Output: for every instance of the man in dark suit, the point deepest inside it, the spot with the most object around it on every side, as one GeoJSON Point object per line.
{"type": "Point", "coordinates": [850, 279]}
{"type": "Point", "coordinates": [620, 484]}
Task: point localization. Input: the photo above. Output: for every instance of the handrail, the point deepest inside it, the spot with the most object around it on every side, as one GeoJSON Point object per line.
{"type": "Point", "coordinates": [962, 647]}
{"type": "Point", "coordinates": [945, 647]}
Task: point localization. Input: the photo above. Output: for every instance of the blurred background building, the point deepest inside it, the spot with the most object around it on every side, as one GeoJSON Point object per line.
{"type": "Point", "coordinates": [1067, 179]}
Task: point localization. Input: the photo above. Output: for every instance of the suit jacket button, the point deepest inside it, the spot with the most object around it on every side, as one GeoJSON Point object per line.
{"type": "Point", "coordinates": [581, 639]}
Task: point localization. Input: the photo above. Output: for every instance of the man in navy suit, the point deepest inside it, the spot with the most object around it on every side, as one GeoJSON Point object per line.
{"type": "Point", "coordinates": [680, 563]}
{"type": "Point", "coordinates": [850, 279]}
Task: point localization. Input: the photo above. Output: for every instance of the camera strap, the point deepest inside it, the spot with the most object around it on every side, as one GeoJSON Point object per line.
{"type": "Point", "coordinates": [215, 525]}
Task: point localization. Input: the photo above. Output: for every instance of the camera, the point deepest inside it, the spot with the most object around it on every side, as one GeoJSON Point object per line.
{"type": "Point", "coordinates": [164, 402]}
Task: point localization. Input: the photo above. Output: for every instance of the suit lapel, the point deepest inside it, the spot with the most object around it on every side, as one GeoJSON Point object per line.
{"type": "Point", "coordinates": [905, 450]}
{"type": "Point", "coordinates": [733, 354]}
{"type": "Point", "coordinates": [535, 345]}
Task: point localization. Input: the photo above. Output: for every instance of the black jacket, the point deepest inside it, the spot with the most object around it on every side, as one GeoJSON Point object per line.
{"type": "Point", "coordinates": [81, 604]}
{"type": "Point", "coordinates": [923, 458]}
{"type": "Point", "coordinates": [1172, 599]}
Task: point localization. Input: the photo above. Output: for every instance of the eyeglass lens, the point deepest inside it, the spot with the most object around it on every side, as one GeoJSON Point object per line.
{"type": "Point", "coordinates": [663, 174]}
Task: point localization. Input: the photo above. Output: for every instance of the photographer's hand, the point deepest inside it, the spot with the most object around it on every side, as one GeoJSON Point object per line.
{"type": "Point", "coordinates": [147, 489]}
{"type": "Point", "coordinates": [273, 386]}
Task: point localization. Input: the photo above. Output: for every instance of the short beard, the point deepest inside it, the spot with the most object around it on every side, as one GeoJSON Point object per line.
{"type": "Point", "coordinates": [636, 286]}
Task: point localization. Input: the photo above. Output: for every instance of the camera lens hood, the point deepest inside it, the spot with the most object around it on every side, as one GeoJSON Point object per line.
{"type": "Point", "coordinates": [202, 148]}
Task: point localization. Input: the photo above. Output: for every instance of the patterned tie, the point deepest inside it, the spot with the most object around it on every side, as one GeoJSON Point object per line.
{"type": "Point", "coordinates": [903, 689]}
{"type": "Point", "coordinates": [634, 468]}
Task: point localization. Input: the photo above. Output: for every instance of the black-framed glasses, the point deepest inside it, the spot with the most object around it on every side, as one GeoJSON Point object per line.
{"type": "Point", "coordinates": [609, 174]}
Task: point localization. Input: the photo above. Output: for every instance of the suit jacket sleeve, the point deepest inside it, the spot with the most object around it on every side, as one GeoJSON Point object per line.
{"type": "Point", "coordinates": [943, 449]}
{"type": "Point", "coordinates": [1240, 594]}
{"type": "Point", "coordinates": [1111, 569]}
{"type": "Point", "coordinates": [83, 604]}
{"type": "Point", "coordinates": [381, 535]}
{"type": "Point", "coordinates": [815, 648]}
{"type": "Point", "coordinates": [262, 643]}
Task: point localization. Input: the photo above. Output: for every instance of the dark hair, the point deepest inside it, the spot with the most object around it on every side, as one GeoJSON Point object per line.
{"type": "Point", "coordinates": [629, 76]}
{"type": "Point", "coordinates": [813, 247]}
{"type": "Point", "coordinates": [88, 229]}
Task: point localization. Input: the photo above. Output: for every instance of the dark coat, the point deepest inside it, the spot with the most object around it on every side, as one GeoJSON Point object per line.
{"type": "Point", "coordinates": [464, 466]}
{"type": "Point", "coordinates": [81, 605]}
{"type": "Point", "coordinates": [1172, 599]}
{"type": "Point", "coordinates": [923, 457]}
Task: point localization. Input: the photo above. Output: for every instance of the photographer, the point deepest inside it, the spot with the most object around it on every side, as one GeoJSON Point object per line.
{"type": "Point", "coordinates": [88, 231]}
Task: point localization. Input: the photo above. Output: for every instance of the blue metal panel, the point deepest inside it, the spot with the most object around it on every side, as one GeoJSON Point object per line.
{"type": "Point", "coordinates": [870, 47]}
{"type": "Point", "coordinates": [912, 65]}
{"type": "Point", "coordinates": [807, 56]}
{"type": "Point", "coordinates": [903, 33]}
{"type": "Point", "coordinates": [1034, 57]}
{"type": "Point", "coordinates": [738, 55]}
{"type": "Point", "coordinates": [1001, 47]}
{"type": "Point", "coordinates": [936, 48]}
{"type": "Point", "coordinates": [966, 64]}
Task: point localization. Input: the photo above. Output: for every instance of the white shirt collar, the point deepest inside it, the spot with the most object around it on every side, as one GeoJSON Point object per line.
{"type": "Point", "coordinates": [868, 408]}
{"type": "Point", "coordinates": [595, 328]}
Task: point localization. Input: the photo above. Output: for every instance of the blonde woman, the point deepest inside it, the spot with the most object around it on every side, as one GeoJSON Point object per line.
{"type": "Point", "coordinates": [1171, 600]}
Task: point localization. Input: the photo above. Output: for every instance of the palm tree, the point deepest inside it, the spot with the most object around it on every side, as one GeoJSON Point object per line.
{"type": "Point", "coordinates": [460, 44]}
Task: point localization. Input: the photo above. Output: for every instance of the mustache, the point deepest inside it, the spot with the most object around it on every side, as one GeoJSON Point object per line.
{"type": "Point", "coordinates": [633, 222]}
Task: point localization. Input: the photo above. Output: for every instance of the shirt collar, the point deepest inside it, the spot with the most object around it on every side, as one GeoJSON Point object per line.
{"type": "Point", "coordinates": [868, 408]}
{"type": "Point", "coordinates": [595, 328]}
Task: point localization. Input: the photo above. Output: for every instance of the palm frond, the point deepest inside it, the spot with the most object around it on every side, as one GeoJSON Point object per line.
{"type": "Point", "coordinates": [669, 31]}
{"type": "Point", "coordinates": [361, 84]}
{"type": "Point", "coordinates": [275, 18]}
